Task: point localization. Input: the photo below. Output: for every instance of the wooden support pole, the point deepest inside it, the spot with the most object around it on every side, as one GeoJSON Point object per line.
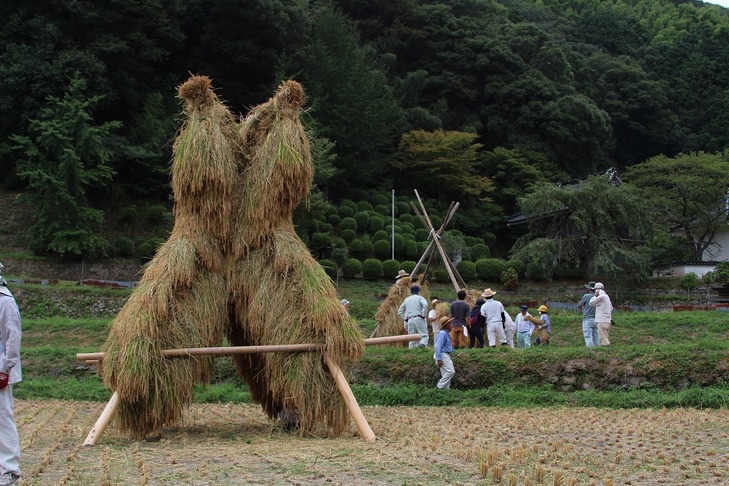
{"type": "Point", "coordinates": [349, 400]}
{"type": "Point", "coordinates": [428, 250]}
{"type": "Point", "coordinates": [103, 421]}
{"type": "Point", "coordinates": [437, 244]}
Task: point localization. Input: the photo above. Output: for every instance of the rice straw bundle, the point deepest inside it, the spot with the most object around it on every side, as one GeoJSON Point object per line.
{"type": "Point", "coordinates": [233, 266]}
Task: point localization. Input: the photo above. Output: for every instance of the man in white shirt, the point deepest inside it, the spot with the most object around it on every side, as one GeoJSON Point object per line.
{"type": "Point", "coordinates": [413, 311]}
{"type": "Point", "coordinates": [493, 311]}
{"type": "Point", "coordinates": [603, 313]}
{"type": "Point", "coordinates": [10, 373]}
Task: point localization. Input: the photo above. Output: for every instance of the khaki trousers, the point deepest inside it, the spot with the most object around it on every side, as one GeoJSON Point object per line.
{"type": "Point", "coordinates": [603, 333]}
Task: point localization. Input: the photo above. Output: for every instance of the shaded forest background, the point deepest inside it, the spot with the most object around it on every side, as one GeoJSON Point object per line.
{"type": "Point", "coordinates": [477, 101]}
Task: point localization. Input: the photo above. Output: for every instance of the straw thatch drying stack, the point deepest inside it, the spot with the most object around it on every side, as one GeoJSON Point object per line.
{"type": "Point", "coordinates": [389, 323]}
{"type": "Point", "coordinates": [233, 266]}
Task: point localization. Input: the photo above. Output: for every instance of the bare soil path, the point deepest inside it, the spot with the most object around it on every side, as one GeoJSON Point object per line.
{"type": "Point", "coordinates": [236, 444]}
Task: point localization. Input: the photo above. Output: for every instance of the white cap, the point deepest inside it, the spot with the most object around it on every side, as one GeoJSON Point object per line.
{"type": "Point", "coordinates": [599, 286]}
{"type": "Point", "coordinates": [344, 302]}
{"type": "Point", "coordinates": [3, 284]}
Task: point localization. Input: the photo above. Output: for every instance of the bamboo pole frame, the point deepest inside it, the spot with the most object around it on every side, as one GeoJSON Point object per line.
{"type": "Point", "coordinates": [342, 385]}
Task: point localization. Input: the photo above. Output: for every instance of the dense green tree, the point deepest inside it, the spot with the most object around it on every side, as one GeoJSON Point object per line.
{"type": "Point", "coordinates": [688, 193]}
{"type": "Point", "coordinates": [594, 226]}
{"type": "Point", "coordinates": [65, 157]}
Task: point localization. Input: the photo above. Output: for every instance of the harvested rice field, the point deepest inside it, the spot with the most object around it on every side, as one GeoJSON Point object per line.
{"type": "Point", "coordinates": [236, 444]}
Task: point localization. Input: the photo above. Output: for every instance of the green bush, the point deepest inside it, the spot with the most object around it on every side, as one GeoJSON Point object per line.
{"type": "Point", "coordinates": [401, 208]}
{"type": "Point", "coordinates": [376, 223]}
{"type": "Point", "coordinates": [436, 220]}
{"type": "Point", "coordinates": [408, 265]}
{"type": "Point", "coordinates": [467, 270]}
{"type": "Point", "coordinates": [510, 278]}
{"type": "Point", "coordinates": [535, 271]}
{"type": "Point", "coordinates": [410, 250]}
{"type": "Point", "coordinates": [480, 251]}
{"type": "Point", "coordinates": [382, 248]}
{"type": "Point", "coordinates": [348, 203]}
{"type": "Point", "coordinates": [352, 268]}
{"type": "Point", "coordinates": [348, 235]}
{"type": "Point", "coordinates": [470, 241]}
{"type": "Point", "coordinates": [440, 275]}
{"type": "Point", "coordinates": [157, 214]}
{"type": "Point", "coordinates": [364, 206]}
{"type": "Point", "coordinates": [147, 248]}
{"type": "Point", "coordinates": [320, 240]}
{"type": "Point", "coordinates": [345, 211]}
{"type": "Point", "coordinates": [382, 209]}
{"type": "Point", "coordinates": [348, 223]}
{"type": "Point", "coordinates": [334, 219]}
{"type": "Point", "coordinates": [128, 215]}
{"type": "Point", "coordinates": [368, 248]}
{"type": "Point", "coordinates": [406, 218]}
{"type": "Point", "coordinates": [490, 269]}
{"type": "Point", "coordinates": [518, 265]}
{"type": "Point", "coordinates": [421, 234]}
{"type": "Point", "coordinates": [399, 244]}
{"type": "Point", "coordinates": [338, 242]}
{"type": "Point", "coordinates": [355, 247]}
{"type": "Point", "coordinates": [330, 267]}
{"type": "Point", "coordinates": [379, 198]}
{"type": "Point", "coordinates": [363, 219]}
{"type": "Point", "coordinates": [124, 246]}
{"type": "Point", "coordinates": [381, 235]}
{"type": "Point", "coordinates": [372, 268]}
{"type": "Point", "coordinates": [390, 267]}
{"type": "Point", "coordinates": [360, 195]}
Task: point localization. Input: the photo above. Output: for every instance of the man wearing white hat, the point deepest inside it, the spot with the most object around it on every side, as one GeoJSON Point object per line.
{"type": "Point", "coordinates": [493, 311]}
{"type": "Point", "coordinates": [9, 374]}
{"type": "Point", "coordinates": [603, 313]}
{"type": "Point", "coordinates": [413, 311]}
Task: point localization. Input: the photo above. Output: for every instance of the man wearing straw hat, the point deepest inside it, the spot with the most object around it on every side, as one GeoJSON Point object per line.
{"type": "Point", "coordinates": [401, 274]}
{"type": "Point", "coordinates": [443, 350]}
{"type": "Point", "coordinates": [493, 311]}
{"type": "Point", "coordinates": [10, 373]}
{"type": "Point", "coordinates": [413, 311]}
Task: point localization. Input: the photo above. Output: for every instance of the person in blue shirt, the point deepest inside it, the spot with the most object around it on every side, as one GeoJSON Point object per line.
{"type": "Point", "coordinates": [443, 350]}
{"type": "Point", "coordinates": [589, 326]}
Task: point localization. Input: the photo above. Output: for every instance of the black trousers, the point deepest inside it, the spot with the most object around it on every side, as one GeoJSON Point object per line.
{"type": "Point", "coordinates": [475, 332]}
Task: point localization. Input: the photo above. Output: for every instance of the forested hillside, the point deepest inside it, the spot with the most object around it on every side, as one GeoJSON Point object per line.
{"type": "Point", "coordinates": [484, 102]}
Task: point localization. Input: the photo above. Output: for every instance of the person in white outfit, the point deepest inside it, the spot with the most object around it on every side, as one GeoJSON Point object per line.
{"type": "Point", "coordinates": [413, 311]}
{"type": "Point", "coordinates": [493, 311]}
{"type": "Point", "coordinates": [10, 374]}
{"type": "Point", "coordinates": [603, 313]}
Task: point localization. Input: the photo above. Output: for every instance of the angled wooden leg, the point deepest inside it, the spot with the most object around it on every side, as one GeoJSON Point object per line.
{"type": "Point", "coordinates": [103, 420]}
{"type": "Point", "coordinates": [349, 400]}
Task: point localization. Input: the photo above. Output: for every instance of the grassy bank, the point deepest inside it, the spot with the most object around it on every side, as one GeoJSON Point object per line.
{"type": "Point", "coordinates": [666, 359]}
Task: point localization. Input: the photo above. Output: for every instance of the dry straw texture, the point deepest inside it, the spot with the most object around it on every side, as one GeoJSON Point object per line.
{"type": "Point", "coordinates": [233, 266]}
{"type": "Point", "coordinates": [389, 323]}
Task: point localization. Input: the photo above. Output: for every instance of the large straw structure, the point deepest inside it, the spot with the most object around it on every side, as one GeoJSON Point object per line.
{"type": "Point", "coordinates": [233, 266]}
{"type": "Point", "coordinates": [389, 323]}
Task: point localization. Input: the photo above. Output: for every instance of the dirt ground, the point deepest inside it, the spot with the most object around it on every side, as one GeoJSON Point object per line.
{"type": "Point", "coordinates": [236, 444]}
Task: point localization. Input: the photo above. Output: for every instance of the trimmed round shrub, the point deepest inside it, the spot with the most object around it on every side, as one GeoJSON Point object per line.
{"type": "Point", "coordinates": [349, 236]}
{"type": "Point", "coordinates": [320, 240]}
{"type": "Point", "coordinates": [535, 271]}
{"type": "Point", "coordinates": [346, 211]}
{"type": "Point", "coordinates": [372, 268]}
{"type": "Point", "coordinates": [362, 218]}
{"type": "Point", "coordinates": [401, 208]}
{"type": "Point", "coordinates": [490, 269]}
{"type": "Point", "coordinates": [381, 235]}
{"type": "Point", "coordinates": [124, 246]}
{"type": "Point", "coordinates": [379, 198]}
{"type": "Point", "coordinates": [517, 265]}
{"type": "Point", "coordinates": [333, 219]}
{"type": "Point", "coordinates": [479, 251]}
{"type": "Point", "coordinates": [422, 246]}
{"type": "Point", "coordinates": [128, 215]}
{"type": "Point", "coordinates": [489, 238]}
{"type": "Point", "coordinates": [388, 228]}
{"type": "Point", "coordinates": [348, 203]}
{"type": "Point", "coordinates": [399, 244]}
{"type": "Point", "coordinates": [338, 242]}
{"type": "Point", "coordinates": [368, 248]}
{"type": "Point", "coordinates": [390, 267]}
{"type": "Point", "coordinates": [330, 267]}
{"type": "Point", "coordinates": [467, 270]}
{"type": "Point", "coordinates": [147, 248]}
{"type": "Point", "coordinates": [421, 234]}
{"type": "Point", "coordinates": [470, 241]}
{"type": "Point", "coordinates": [408, 266]}
{"type": "Point", "coordinates": [156, 214]}
{"type": "Point", "coordinates": [440, 275]}
{"type": "Point", "coordinates": [355, 246]}
{"type": "Point", "coordinates": [406, 218]}
{"type": "Point", "coordinates": [376, 223]}
{"type": "Point", "coordinates": [364, 206]}
{"type": "Point", "coordinates": [348, 223]}
{"type": "Point", "coordinates": [352, 268]}
{"type": "Point", "coordinates": [382, 248]}
{"type": "Point", "coordinates": [407, 227]}
{"type": "Point", "coordinates": [410, 249]}
{"type": "Point", "coordinates": [382, 209]}
{"type": "Point", "coordinates": [437, 221]}
{"type": "Point", "coordinates": [323, 227]}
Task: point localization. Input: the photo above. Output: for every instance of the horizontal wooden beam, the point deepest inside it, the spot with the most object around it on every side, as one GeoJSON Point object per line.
{"type": "Point", "coordinates": [273, 348]}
